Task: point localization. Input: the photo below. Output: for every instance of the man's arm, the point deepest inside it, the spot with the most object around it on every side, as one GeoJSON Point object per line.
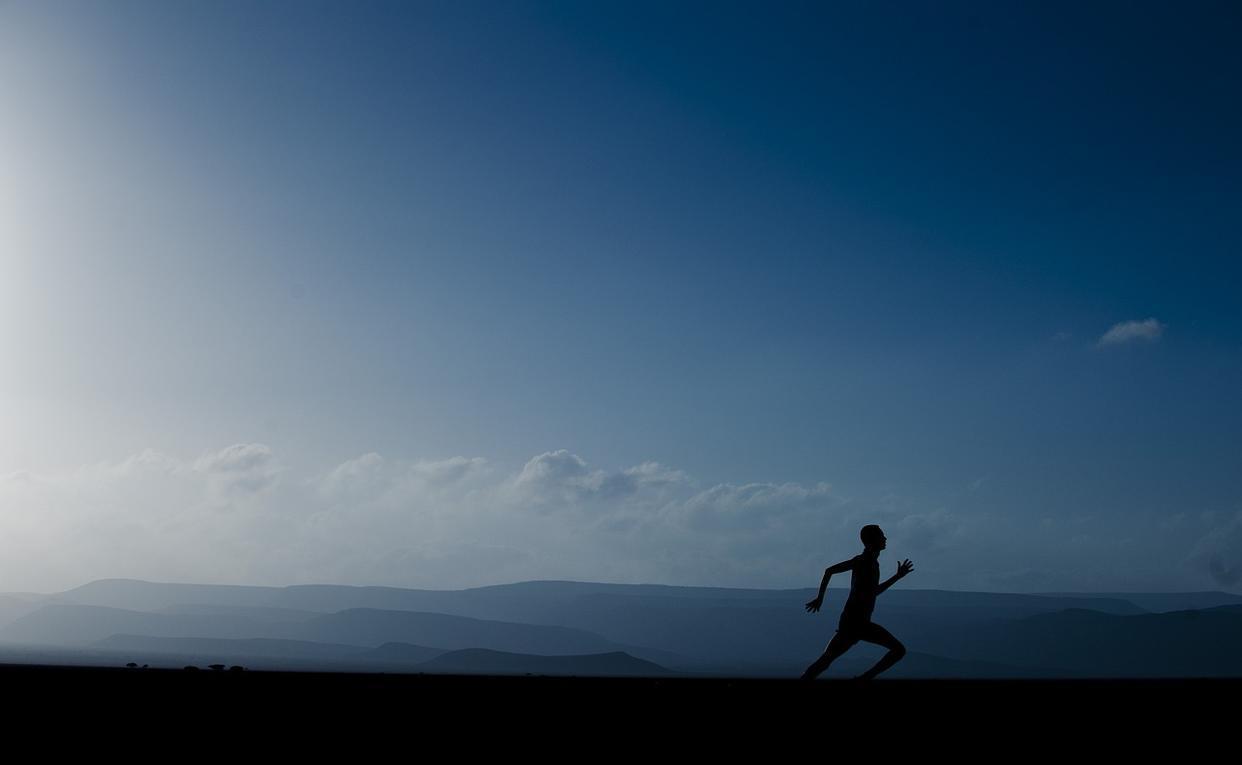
{"type": "Point", "coordinates": [903, 568]}
{"type": "Point", "coordinates": [845, 565]}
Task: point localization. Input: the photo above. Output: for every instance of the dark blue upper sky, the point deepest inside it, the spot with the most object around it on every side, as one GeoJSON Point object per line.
{"type": "Point", "coordinates": [873, 244]}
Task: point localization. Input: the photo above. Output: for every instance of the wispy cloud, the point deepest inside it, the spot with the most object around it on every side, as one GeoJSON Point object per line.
{"type": "Point", "coordinates": [1147, 330]}
{"type": "Point", "coordinates": [241, 515]}
{"type": "Point", "coordinates": [238, 515]}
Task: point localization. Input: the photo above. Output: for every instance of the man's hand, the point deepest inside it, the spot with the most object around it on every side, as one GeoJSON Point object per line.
{"type": "Point", "coordinates": [813, 605]}
{"type": "Point", "coordinates": [904, 568]}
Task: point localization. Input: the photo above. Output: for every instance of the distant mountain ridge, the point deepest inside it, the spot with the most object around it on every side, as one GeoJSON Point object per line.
{"type": "Point", "coordinates": [68, 625]}
{"type": "Point", "coordinates": [1170, 601]}
{"type": "Point", "coordinates": [227, 647]}
{"type": "Point", "coordinates": [508, 600]}
{"type": "Point", "coordinates": [1191, 643]}
{"type": "Point", "coordinates": [485, 662]}
{"type": "Point", "coordinates": [685, 629]}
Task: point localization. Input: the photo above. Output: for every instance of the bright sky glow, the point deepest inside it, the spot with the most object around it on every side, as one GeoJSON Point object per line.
{"type": "Point", "coordinates": [450, 293]}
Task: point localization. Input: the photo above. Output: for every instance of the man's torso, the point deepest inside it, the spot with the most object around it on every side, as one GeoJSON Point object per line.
{"type": "Point", "coordinates": [864, 582]}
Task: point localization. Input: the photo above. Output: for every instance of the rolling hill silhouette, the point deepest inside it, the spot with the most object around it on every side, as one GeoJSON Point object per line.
{"type": "Point", "coordinates": [61, 625]}
{"type": "Point", "coordinates": [1168, 601]}
{"type": "Point", "coordinates": [218, 648]}
{"type": "Point", "coordinates": [66, 626]}
{"type": "Point", "coordinates": [13, 608]}
{"type": "Point", "coordinates": [1194, 643]}
{"type": "Point", "coordinates": [371, 627]}
{"type": "Point", "coordinates": [545, 602]}
{"type": "Point", "coordinates": [484, 662]}
{"type": "Point", "coordinates": [401, 654]}
{"type": "Point", "coordinates": [685, 629]}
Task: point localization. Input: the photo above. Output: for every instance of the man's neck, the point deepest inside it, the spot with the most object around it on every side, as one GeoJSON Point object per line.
{"type": "Point", "coordinates": [871, 554]}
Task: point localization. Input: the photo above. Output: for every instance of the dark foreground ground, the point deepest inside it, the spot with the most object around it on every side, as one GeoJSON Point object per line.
{"type": "Point", "coordinates": [588, 718]}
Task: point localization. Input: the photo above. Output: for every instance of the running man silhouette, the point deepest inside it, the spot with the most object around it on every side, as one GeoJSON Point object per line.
{"type": "Point", "coordinates": [856, 621]}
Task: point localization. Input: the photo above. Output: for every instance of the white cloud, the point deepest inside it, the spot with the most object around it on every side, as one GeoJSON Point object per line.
{"type": "Point", "coordinates": [1147, 330]}
{"type": "Point", "coordinates": [241, 467]}
{"type": "Point", "coordinates": [354, 477]}
{"type": "Point", "coordinates": [562, 478]}
{"type": "Point", "coordinates": [450, 472]}
{"type": "Point", "coordinates": [755, 506]}
{"type": "Point", "coordinates": [655, 474]}
{"type": "Point", "coordinates": [559, 474]}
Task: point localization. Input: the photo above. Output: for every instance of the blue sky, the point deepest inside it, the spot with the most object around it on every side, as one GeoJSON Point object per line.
{"type": "Point", "coordinates": [875, 246]}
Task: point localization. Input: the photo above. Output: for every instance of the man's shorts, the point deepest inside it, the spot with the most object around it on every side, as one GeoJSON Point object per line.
{"type": "Point", "coordinates": [851, 632]}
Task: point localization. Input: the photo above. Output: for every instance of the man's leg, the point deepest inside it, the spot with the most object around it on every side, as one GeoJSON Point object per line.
{"type": "Point", "coordinates": [874, 633]}
{"type": "Point", "coordinates": [839, 644]}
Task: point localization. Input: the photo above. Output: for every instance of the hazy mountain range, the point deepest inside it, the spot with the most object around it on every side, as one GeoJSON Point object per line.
{"type": "Point", "coordinates": [607, 629]}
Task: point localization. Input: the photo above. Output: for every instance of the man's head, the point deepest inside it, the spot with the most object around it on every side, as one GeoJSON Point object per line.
{"type": "Point", "coordinates": [873, 538]}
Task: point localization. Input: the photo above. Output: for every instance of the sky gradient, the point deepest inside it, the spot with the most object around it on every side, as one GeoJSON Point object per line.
{"type": "Point", "coordinates": [444, 294]}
